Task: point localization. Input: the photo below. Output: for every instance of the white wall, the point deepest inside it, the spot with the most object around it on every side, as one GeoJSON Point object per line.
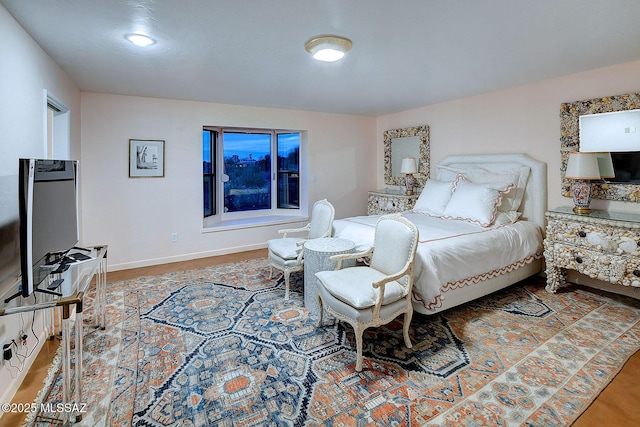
{"type": "Point", "coordinates": [522, 119]}
{"type": "Point", "coordinates": [136, 216]}
{"type": "Point", "coordinates": [25, 73]}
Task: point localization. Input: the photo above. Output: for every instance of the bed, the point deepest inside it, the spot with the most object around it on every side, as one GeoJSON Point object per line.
{"type": "Point", "coordinates": [481, 220]}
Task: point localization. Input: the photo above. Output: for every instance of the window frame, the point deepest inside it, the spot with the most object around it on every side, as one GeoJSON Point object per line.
{"type": "Point", "coordinates": [212, 189]}
{"type": "Point", "coordinates": [218, 172]}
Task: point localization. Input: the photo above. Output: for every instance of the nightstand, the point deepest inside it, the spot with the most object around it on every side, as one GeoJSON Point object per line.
{"type": "Point", "coordinates": [389, 200]}
{"type": "Point", "coordinates": [602, 245]}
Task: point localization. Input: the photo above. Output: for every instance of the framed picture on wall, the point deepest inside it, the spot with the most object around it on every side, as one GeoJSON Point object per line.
{"type": "Point", "coordinates": [146, 158]}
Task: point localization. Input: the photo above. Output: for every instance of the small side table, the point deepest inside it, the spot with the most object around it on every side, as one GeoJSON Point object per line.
{"type": "Point", "coordinates": [316, 258]}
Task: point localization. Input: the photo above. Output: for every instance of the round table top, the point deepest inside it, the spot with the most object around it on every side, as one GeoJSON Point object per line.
{"type": "Point", "coordinates": [329, 244]}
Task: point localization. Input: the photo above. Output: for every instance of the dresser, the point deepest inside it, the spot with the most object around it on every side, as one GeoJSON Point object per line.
{"type": "Point", "coordinates": [389, 200]}
{"type": "Point", "coordinates": [602, 245]}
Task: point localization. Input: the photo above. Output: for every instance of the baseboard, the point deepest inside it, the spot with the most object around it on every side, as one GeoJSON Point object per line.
{"type": "Point", "coordinates": [184, 257]}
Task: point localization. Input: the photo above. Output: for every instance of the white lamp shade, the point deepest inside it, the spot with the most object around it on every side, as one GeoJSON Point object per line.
{"type": "Point", "coordinates": [408, 165]}
{"type": "Point", "coordinates": [582, 166]}
{"type": "Point", "coordinates": [605, 165]}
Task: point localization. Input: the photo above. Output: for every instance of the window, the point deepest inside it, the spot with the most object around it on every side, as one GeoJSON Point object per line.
{"type": "Point", "coordinates": [250, 171]}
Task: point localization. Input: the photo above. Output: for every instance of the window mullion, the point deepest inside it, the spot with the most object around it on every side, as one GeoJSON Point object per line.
{"type": "Point", "coordinates": [274, 170]}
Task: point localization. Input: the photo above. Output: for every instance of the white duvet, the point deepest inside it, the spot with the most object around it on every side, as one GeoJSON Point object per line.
{"type": "Point", "coordinates": [452, 251]}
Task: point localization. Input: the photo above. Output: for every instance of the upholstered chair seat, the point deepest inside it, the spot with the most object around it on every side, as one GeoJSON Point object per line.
{"type": "Point", "coordinates": [374, 295]}
{"type": "Point", "coordinates": [286, 253]}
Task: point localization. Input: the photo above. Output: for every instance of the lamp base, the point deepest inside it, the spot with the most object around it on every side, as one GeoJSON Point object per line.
{"type": "Point", "coordinates": [581, 193]}
{"type": "Point", "coordinates": [409, 183]}
{"type": "Point", "coordinates": [581, 211]}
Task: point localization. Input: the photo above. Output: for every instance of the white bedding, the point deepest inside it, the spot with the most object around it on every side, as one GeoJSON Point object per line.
{"type": "Point", "coordinates": [454, 253]}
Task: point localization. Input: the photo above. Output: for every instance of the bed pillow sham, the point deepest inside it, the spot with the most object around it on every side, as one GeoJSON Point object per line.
{"type": "Point", "coordinates": [517, 175]}
{"type": "Point", "coordinates": [476, 202]}
{"type": "Point", "coordinates": [434, 197]}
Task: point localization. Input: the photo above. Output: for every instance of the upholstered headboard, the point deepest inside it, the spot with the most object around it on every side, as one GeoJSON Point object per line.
{"type": "Point", "coordinates": [534, 202]}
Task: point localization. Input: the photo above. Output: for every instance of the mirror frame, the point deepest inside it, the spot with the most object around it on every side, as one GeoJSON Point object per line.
{"type": "Point", "coordinates": [422, 132]}
{"type": "Point", "coordinates": [570, 142]}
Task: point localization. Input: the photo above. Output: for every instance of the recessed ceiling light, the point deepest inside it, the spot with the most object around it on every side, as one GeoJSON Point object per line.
{"type": "Point", "coordinates": [328, 48]}
{"type": "Point", "coordinates": [140, 39]}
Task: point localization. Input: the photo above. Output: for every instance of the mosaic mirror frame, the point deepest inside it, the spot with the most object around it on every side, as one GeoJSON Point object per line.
{"type": "Point", "coordinates": [570, 113]}
{"type": "Point", "coordinates": [424, 161]}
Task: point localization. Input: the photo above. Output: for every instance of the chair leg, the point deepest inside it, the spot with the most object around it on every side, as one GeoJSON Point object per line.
{"type": "Point", "coordinates": [286, 285]}
{"type": "Point", "coordinates": [321, 312]}
{"type": "Point", "coordinates": [405, 328]}
{"type": "Point", "coordinates": [359, 332]}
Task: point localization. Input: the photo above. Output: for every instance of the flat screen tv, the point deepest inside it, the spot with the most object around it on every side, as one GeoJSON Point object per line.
{"type": "Point", "coordinates": [48, 210]}
{"type": "Point", "coordinates": [626, 167]}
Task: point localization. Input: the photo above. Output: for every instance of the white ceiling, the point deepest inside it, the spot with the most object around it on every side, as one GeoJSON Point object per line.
{"type": "Point", "coordinates": [406, 53]}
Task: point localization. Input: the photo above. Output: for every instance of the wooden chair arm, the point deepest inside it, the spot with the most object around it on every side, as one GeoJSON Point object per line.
{"type": "Point", "coordinates": [284, 231]}
{"type": "Point", "coordinates": [406, 271]}
{"type": "Point", "coordinates": [342, 257]}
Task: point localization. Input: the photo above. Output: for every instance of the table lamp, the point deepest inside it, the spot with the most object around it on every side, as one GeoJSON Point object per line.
{"type": "Point", "coordinates": [582, 168]}
{"type": "Point", "coordinates": [409, 167]}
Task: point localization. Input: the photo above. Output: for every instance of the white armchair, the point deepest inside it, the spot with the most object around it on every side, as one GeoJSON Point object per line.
{"type": "Point", "coordinates": [370, 296]}
{"type": "Point", "coordinates": [285, 254]}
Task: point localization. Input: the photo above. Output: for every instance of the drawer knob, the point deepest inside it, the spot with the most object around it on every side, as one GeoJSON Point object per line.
{"type": "Point", "coordinates": [636, 273]}
{"type": "Point", "coordinates": [579, 260]}
{"type": "Point", "coordinates": [582, 233]}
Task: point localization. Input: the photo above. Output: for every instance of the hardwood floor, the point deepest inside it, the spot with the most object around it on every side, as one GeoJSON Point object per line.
{"type": "Point", "coordinates": [617, 405]}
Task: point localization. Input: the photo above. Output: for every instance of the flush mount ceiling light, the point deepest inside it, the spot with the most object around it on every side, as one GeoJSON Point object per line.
{"type": "Point", "coordinates": [328, 48]}
{"type": "Point", "coordinates": [140, 39]}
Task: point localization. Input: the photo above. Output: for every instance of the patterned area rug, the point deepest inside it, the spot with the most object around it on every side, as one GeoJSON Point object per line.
{"type": "Point", "coordinates": [220, 347]}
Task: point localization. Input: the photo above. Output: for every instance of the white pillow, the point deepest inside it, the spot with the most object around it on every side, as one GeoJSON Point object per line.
{"type": "Point", "coordinates": [434, 197]}
{"type": "Point", "coordinates": [476, 202]}
{"type": "Point", "coordinates": [518, 175]}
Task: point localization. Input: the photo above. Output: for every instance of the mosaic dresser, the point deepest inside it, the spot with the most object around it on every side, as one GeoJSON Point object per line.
{"type": "Point", "coordinates": [602, 245]}
{"type": "Point", "coordinates": [389, 200]}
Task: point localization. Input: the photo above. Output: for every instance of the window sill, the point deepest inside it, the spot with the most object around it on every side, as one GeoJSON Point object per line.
{"type": "Point", "coordinates": [210, 225]}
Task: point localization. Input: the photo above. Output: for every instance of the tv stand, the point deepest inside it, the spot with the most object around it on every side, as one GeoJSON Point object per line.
{"type": "Point", "coordinates": [71, 299]}
{"type": "Point", "coordinates": [44, 291]}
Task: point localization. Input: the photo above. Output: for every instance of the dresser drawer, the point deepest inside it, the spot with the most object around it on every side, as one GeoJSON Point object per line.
{"type": "Point", "coordinates": [388, 201]}
{"type": "Point", "coordinates": [593, 263]}
{"type": "Point", "coordinates": [382, 205]}
{"type": "Point", "coordinates": [597, 237]}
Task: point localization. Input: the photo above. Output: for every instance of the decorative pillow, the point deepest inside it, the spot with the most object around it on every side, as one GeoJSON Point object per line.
{"type": "Point", "coordinates": [434, 197]}
{"type": "Point", "coordinates": [518, 175]}
{"type": "Point", "coordinates": [476, 202]}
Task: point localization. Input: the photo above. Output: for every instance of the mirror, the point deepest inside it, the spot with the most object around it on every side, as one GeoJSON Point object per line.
{"type": "Point", "coordinates": [570, 114]}
{"type": "Point", "coordinates": [407, 142]}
